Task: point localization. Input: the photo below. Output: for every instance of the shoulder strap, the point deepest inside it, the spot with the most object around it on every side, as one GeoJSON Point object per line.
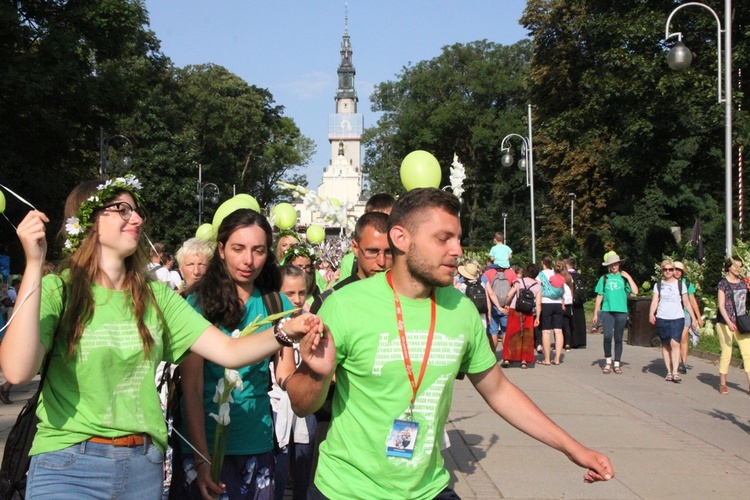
{"type": "Point", "coordinates": [272, 301]}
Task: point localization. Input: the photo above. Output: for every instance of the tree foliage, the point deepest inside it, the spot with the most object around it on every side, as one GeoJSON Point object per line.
{"type": "Point", "coordinates": [72, 70]}
{"type": "Point", "coordinates": [464, 102]}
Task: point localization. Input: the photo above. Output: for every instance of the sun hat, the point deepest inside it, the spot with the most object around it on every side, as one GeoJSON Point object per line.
{"type": "Point", "coordinates": [679, 265]}
{"type": "Point", "coordinates": [469, 271]}
{"type": "Point", "coordinates": [612, 258]}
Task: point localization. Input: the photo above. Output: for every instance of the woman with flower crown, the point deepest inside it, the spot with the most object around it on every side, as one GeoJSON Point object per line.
{"type": "Point", "coordinates": [106, 327]}
{"type": "Point", "coordinates": [230, 295]}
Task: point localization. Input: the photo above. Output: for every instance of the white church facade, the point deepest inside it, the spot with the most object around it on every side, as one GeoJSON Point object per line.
{"type": "Point", "coordinates": [342, 178]}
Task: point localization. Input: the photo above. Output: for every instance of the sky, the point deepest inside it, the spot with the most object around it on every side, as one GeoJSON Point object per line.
{"type": "Point", "coordinates": [291, 47]}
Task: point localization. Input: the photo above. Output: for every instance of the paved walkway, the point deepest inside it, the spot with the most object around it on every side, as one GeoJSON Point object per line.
{"type": "Point", "coordinates": [665, 440]}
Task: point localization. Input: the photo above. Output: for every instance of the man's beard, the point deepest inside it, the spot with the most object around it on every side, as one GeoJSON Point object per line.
{"type": "Point", "coordinates": [422, 271]}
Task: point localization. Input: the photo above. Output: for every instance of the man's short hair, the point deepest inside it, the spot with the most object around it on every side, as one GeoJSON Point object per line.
{"type": "Point", "coordinates": [380, 202]}
{"type": "Point", "coordinates": [410, 208]}
{"type": "Point", "coordinates": [376, 220]}
{"type": "Point", "coordinates": [571, 262]}
{"type": "Point", "coordinates": [157, 250]}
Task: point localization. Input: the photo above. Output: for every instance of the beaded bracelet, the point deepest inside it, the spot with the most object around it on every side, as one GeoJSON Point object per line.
{"type": "Point", "coordinates": [198, 463]}
{"type": "Point", "coordinates": [281, 337]}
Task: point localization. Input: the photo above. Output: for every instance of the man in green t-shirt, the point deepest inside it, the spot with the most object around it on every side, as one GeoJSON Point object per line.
{"type": "Point", "coordinates": [401, 337]}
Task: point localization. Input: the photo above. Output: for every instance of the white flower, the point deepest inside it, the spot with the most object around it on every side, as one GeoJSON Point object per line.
{"type": "Point", "coordinates": [311, 202]}
{"type": "Point", "coordinates": [236, 334]}
{"type": "Point", "coordinates": [68, 244]}
{"type": "Point", "coordinates": [219, 390]}
{"type": "Point", "coordinates": [458, 174]}
{"type": "Point", "coordinates": [93, 198]}
{"type": "Point", "coordinates": [104, 186]}
{"type": "Point", "coordinates": [133, 181]}
{"type": "Point", "coordinates": [223, 417]}
{"type": "Point", "coordinates": [73, 226]}
{"type": "Point", "coordinates": [233, 378]}
{"type": "Point", "coordinates": [120, 180]}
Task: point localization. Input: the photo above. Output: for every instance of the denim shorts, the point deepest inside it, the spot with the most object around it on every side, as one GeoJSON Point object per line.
{"type": "Point", "coordinates": [93, 470]}
{"type": "Point", "coordinates": [670, 329]}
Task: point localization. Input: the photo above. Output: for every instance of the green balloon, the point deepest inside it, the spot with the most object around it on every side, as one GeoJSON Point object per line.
{"type": "Point", "coordinates": [205, 231]}
{"type": "Point", "coordinates": [251, 202]}
{"type": "Point", "coordinates": [420, 169]}
{"type": "Point", "coordinates": [285, 216]}
{"type": "Point", "coordinates": [229, 206]}
{"type": "Point", "coordinates": [315, 234]}
{"type": "Point", "coordinates": [2, 202]}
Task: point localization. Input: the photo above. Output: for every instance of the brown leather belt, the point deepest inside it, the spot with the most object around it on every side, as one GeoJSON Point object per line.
{"type": "Point", "coordinates": [125, 441]}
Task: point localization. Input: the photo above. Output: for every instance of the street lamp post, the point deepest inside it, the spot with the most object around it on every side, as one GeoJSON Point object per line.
{"type": "Point", "coordinates": [505, 233]}
{"type": "Point", "coordinates": [679, 58]}
{"type": "Point", "coordinates": [525, 163]}
{"type": "Point", "coordinates": [572, 197]}
{"type": "Point", "coordinates": [104, 162]}
{"type": "Point", "coordinates": [201, 192]}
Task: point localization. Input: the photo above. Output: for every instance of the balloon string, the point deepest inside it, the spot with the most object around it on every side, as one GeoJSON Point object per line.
{"type": "Point", "coordinates": [17, 196]}
{"type": "Point", "coordinates": [9, 222]}
{"type": "Point", "coordinates": [20, 303]}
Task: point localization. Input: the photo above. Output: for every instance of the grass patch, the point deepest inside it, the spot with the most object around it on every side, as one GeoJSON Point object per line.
{"type": "Point", "coordinates": [710, 343]}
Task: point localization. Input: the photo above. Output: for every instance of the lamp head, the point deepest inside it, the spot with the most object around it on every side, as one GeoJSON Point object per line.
{"type": "Point", "coordinates": [522, 164]}
{"type": "Point", "coordinates": [507, 160]}
{"type": "Point", "coordinates": [679, 57]}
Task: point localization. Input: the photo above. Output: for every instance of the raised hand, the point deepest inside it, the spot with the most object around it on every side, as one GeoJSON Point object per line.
{"type": "Point", "coordinates": [31, 232]}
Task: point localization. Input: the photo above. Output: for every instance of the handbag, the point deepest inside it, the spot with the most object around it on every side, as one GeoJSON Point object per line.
{"type": "Point", "coordinates": [16, 459]}
{"type": "Point", "coordinates": [742, 320]}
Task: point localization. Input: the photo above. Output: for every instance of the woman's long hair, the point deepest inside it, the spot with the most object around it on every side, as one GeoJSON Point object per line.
{"type": "Point", "coordinates": [562, 269]}
{"type": "Point", "coordinates": [84, 272]}
{"type": "Point", "coordinates": [216, 293]}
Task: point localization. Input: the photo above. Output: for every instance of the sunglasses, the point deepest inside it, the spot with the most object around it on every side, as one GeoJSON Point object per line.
{"type": "Point", "coordinates": [667, 269]}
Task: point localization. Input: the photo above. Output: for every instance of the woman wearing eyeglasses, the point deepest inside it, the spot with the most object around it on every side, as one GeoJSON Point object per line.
{"type": "Point", "coordinates": [668, 304]}
{"type": "Point", "coordinates": [105, 326]}
{"type": "Point", "coordinates": [611, 304]}
{"type": "Point", "coordinates": [733, 290]}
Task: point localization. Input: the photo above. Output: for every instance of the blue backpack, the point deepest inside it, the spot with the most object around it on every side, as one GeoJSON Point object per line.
{"type": "Point", "coordinates": [549, 291]}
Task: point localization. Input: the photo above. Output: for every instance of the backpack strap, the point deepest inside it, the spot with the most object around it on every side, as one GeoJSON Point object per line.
{"type": "Point", "coordinates": [272, 302]}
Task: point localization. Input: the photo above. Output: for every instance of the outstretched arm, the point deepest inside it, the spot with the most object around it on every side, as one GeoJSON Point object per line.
{"type": "Point", "coordinates": [517, 409]}
{"type": "Point", "coordinates": [308, 386]}
{"type": "Point", "coordinates": [228, 352]}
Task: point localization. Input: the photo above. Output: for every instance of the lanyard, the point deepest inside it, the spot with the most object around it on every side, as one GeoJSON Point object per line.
{"type": "Point", "coordinates": [402, 335]}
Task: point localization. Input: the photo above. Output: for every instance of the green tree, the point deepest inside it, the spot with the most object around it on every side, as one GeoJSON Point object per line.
{"type": "Point", "coordinates": [464, 101]}
{"type": "Point", "coordinates": [640, 145]}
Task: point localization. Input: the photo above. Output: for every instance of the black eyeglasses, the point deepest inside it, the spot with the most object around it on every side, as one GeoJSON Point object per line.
{"type": "Point", "coordinates": [667, 269]}
{"type": "Point", "coordinates": [125, 210]}
{"type": "Point", "coordinates": [371, 253]}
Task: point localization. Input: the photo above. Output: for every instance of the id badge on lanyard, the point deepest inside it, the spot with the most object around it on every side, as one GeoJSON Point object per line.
{"type": "Point", "coordinates": [403, 433]}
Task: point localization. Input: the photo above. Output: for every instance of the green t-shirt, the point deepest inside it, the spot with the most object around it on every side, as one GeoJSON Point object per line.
{"type": "Point", "coordinates": [372, 388]}
{"type": "Point", "coordinates": [108, 388]}
{"type": "Point", "coordinates": [615, 296]}
{"type": "Point", "coordinates": [251, 424]}
{"type": "Point", "coordinates": [345, 267]}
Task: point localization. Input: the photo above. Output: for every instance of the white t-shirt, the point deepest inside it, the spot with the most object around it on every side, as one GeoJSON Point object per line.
{"type": "Point", "coordinates": [670, 300]}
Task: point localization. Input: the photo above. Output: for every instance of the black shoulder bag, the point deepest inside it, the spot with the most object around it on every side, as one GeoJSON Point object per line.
{"type": "Point", "coordinates": [743, 320]}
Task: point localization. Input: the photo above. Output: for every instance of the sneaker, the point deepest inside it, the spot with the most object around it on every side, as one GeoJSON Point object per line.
{"type": "Point", "coordinates": [682, 369]}
{"type": "Point", "coordinates": [5, 397]}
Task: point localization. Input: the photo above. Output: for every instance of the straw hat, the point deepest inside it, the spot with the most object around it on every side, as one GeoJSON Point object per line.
{"type": "Point", "coordinates": [612, 258]}
{"type": "Point", "coordinates": [680, 266]}
{"type": "Point", "coordinates": [470, 271]}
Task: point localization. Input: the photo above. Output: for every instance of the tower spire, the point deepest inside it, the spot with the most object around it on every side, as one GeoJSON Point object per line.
{"type": "Point", "coordinates": [346, 70]}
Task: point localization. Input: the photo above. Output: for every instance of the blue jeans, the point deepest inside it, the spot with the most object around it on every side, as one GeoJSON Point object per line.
{"type": "Point", "coordinates": [93, 470]}
{"type": "Point", "coordinates": [498, 322]}
{"type": "Point", "coordinates": [613, 324]}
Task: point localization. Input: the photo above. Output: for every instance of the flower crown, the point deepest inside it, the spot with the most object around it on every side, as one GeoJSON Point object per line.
{"type": "Point", "coordinates": [77, 226]}
{"type": "Point", "coordinates": [298, 250]}
{"type": "Point", "coordinates": [287, 232]}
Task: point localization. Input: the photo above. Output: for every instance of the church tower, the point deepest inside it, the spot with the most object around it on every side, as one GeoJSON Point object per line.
{"type": "Point", "coordinates": [342, 179]}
